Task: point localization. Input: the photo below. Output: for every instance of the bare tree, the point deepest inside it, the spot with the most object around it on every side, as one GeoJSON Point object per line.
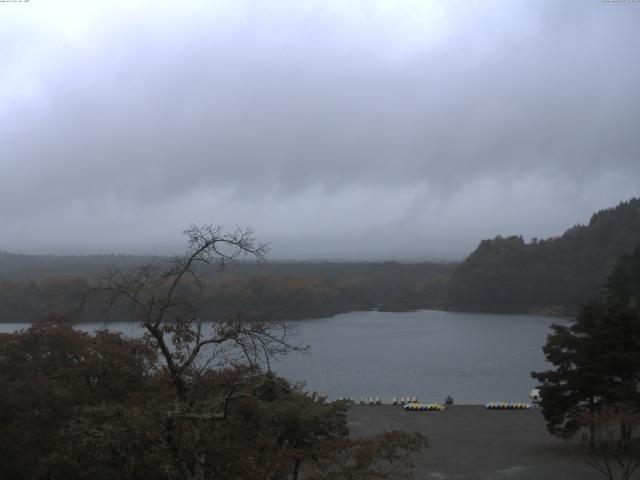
{"type": "Point", "coordinates": [161, 297]}
{"type": "Point", "coordinates": [612, 443]}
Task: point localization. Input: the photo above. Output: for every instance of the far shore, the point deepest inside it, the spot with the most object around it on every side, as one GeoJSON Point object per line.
{"type": "Point", "coordinates": [557, 311]}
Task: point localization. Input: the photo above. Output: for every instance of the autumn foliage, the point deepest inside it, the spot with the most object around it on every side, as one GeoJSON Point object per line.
{"type": "Point", "coordinates": [75, 405]}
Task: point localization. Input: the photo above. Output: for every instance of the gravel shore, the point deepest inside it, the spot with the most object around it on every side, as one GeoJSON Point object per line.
{"type": "Point", "coordinates": [469, 442]}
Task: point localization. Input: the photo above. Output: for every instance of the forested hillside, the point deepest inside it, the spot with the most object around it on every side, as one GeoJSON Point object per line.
{"type": "Point", "coordinates": [553, 275]}
{"type": "Point", "coordinates": [504, 274]}
{"type": "Point", "coordinates": [34, 286]}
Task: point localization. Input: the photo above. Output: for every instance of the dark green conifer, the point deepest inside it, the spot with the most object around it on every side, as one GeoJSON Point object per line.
{"type": "Point", "coordinates": [596, 359]}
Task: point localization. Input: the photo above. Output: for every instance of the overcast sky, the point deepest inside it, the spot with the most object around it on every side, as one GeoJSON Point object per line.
{"type": "Point", "coordinates": [336, 129]}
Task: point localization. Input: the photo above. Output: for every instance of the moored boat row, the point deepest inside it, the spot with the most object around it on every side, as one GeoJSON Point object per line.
{"type": "Point", "coordinates": [507, 406]}
{"type": "Point", "coordinates": [412, 404]}
{"type": "Point", "coordinates": [438, 407]}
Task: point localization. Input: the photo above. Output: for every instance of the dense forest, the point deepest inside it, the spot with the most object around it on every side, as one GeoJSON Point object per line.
{"type": "Point", "coordinates": [551, 276]}
{"type": "Point", "coordinates": [33, 286]}
{"type": "Point", "coordinates": [506, 274]}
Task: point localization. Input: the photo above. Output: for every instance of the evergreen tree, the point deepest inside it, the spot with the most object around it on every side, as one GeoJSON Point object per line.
{"type": "Point", "coordinates": [597, 359]}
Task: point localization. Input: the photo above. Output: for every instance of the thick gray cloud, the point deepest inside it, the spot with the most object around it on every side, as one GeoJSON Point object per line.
{"type": "Point", "coordinates": [399, 129]}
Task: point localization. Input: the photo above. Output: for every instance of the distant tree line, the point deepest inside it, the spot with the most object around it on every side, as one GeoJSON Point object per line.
{"type": "Point", "coordinates": [291, 291]}
{"type": "Point", "coordinates": [553, 275]}
{"type": "Point", "coordinates": [506, 274]}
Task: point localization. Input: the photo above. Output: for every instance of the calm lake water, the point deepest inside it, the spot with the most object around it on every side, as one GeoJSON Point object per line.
{"type": "Point", "coordinates": [430, 354]}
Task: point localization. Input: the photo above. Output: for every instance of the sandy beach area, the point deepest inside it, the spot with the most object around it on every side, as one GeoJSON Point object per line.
{"type": "Point", "coordinates": [470, 442]}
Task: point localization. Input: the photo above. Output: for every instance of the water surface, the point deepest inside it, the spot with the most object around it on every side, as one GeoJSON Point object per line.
{"type": "Point", "coordinates": [473, 357]}
{"type": "Point", "coordinates": [430, 354]}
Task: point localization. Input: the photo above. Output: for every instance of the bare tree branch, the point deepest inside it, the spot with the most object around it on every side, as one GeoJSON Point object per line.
{"type": "Point", "coordinates": [154, 292]}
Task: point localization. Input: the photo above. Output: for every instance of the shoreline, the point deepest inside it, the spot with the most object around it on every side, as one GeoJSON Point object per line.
{"type": "Point", "coordinates": [329, 313]}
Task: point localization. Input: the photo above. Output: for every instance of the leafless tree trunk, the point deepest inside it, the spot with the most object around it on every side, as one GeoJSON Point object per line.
{"type": "Point", "coordinates": [185, 342]}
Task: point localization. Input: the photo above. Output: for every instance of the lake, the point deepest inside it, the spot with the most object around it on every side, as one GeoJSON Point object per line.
{"type": "Point", "coordinates": [474, 357]}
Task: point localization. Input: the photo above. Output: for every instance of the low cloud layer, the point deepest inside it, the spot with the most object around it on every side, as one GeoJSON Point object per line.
{"type": "Point", "coordinates": [385, 129]}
